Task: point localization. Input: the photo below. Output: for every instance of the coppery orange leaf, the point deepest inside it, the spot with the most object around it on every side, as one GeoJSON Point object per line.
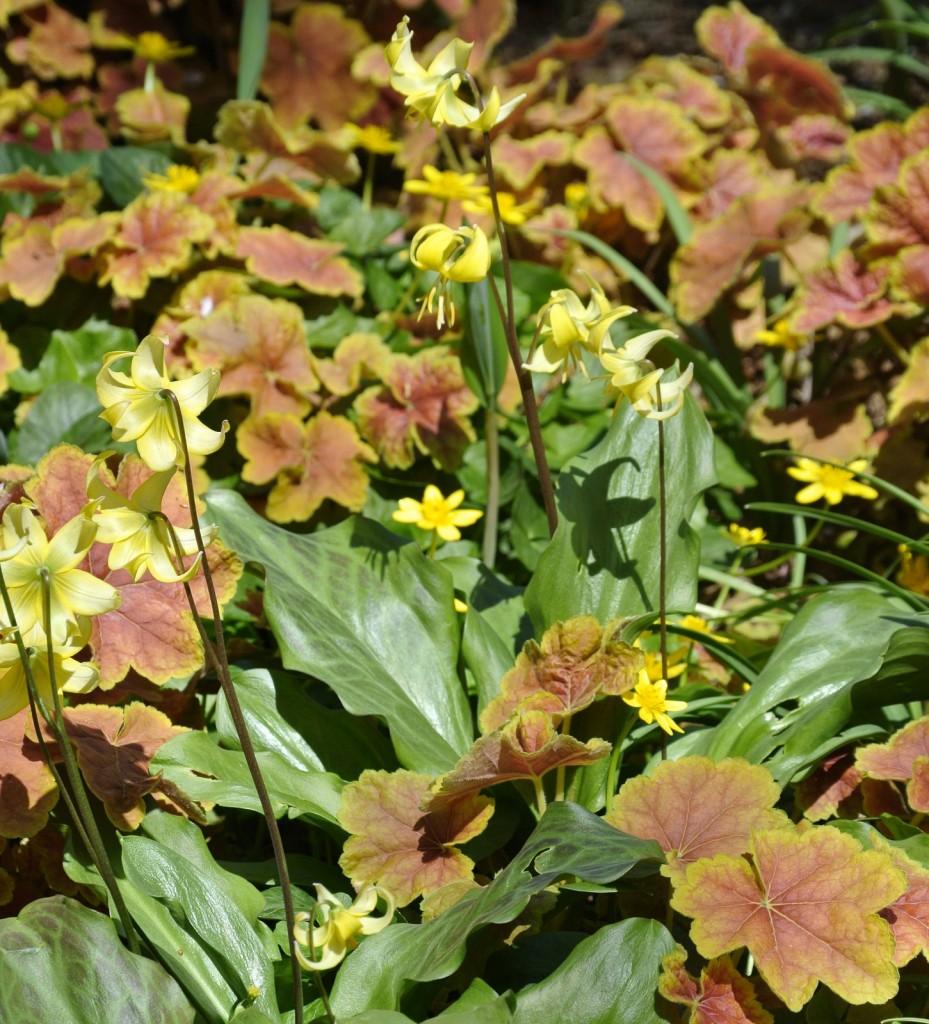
{"type": "Point", "coordinates": [846, 292]}
{"type": "Point", "coordinates": [831, 790]}
{"type": "Point", "coordinates": [904, 757]}
{"type": "Point", "coordinates": [577, 661]}
{"type": "Point", "coordinates": [27, 787]}
{"type": "Point", "coordinates": [358, 356]}
{"type": "Point", "coordinates": [898, 215]}
{"type": "Point", "coordinates": [782, 84]}
{"type": "Point", "coordinates": [806, 907]}
{"type": "Point", "coordinates": [521, 160]}
{"type": "Point", "coordinates": [423, 406]}
{"type": "Point", "coordinates": [155, 239]}
{"type": "Point", "coordinates": [672, 79]}
{"type": "Point", "coordinates": [720, 996]}
{"type": "Point", "coordinates": [284, 257]}
{"type": "Point", "coordinates": [153, 115]}
{"type": "Point", "coordinates": [394, 843]}
{"type": "Point", "coordinates": [694, 808]}
{"type": "Point", "coordinates": [58, 47]}
{"type": "Point", "coordinates": [308, 68]}
{"type": "Point", "coordinates": [259, 346]}
{"type": "Point", "coordinates": [908, 916]}
{"type": "Point", "coordinates": [729, 33]}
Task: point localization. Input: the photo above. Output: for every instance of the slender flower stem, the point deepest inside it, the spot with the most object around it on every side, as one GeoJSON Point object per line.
{"type": "Point", "coordinates": [662, 543]}
{"type": "Point", "coordinates": [368, 188]}
{"type": "Point", "coordinates": [561, 769]}
{"type": "Point", "coordinates": [540, 800]}
{"type": "Point", "coordinates": [616, 754]}
{"type": "Point", "coordinates": [221, 661]}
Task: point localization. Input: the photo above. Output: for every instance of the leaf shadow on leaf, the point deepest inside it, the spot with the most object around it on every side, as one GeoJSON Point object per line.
{"type": "Point", "coordinates": [604, 549]}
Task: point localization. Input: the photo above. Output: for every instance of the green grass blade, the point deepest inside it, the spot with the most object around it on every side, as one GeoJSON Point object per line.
{"type": "Point", "coordinates": [677, 215]}
{"type": "Point", "coordinates": [253, 45]}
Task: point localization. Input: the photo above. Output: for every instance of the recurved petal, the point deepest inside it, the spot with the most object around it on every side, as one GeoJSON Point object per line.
{"type": "Point", "coordinates": [196, 392]}
{"type": "Point", "coordinates": [84, 594]}
{"type": "Point", "coordinates": [201, 439]}
{"type": "Point", "coordinates": [148, 364]}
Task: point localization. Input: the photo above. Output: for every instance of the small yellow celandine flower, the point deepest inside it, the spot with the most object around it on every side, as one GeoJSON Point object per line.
{"type": "Point", "coordinates": [433, 91]}
{"type": "Point", "coordinates": [445, 185]}
{"type": "Point", "coordinates": [568, 327]}
{"type": "Point", "coordinates": [742, 536]}
{"type": "Point", "coordinates": [637, 379]}
{"type": "Point", "coordinates": [436, 512]}
{"type": "Point", "coordinates": [781, 336]}
{"type": "Point", "coordinates": [511, 210]}
{"type": "Point", "coordinates": [913, 572]}
{"type": "Point", "coordinates": [338, 927]}
{"type": "Point", "coordinates": [577, 197]}
{"type": "Point", "coordinates": [373, 138]}
{"type": "Point", "coordinates": [700, 625]}
{"type": "Point", "coordinates": [137, 528]}
{"type": "Point", "coordinates": [157, 49]}
{"type": "Point", "coordinates": [73, 593]}
{"type": "Point", "coordinates": [137, 408]}
{"type": "Point", "coordinates": [177, 178]}
{"type": "Point", "coordinates": [462, 255]}
{"type": "Point", "coordinates": [653, 669]}
{"type": "Point", "coordinates": [830, 482]}
{"type": "Point", "coordinates": [70, 676]}
{"type": "Point", "coordinates": [651, 700]}
{"type": "Point", "coordinates": [460, 605]}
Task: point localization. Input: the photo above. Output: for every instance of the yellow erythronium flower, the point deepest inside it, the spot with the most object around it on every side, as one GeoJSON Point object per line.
{"type": "Point", "coordinates": [72, 592]}
{"type": "Point", "coordinates": [447, 185]}
{"type": "Point", "coordinates": [511, 210]}
{"type": "Point", "coordinates": [337, 927]}
{"type": "Point", "coordinates": [137, 408]}
{"type": "Point", "coordinates": [781, 336]}
{"type": "Point", "coordinates": [137, 529]}
{"type": "Point", "coordinates": [462, 255]}
{"type": "Point", "coordinates": [651, 700]}
{"type": "Point", "coordinates": [436, 512]}
{"type": "Point", "coordinates": [177, 178]}
{"type": "Point", "coordinates": [830, 482]}
{"type": "Point", "coordinates": [433, 91]}
{"type": "Point", "coordinates": [70, 675]}
{"type": "Point", "coordinates": [742, 536]}
{"type": "Point", "coordinates": [373, 138]}
{"type": "Point", "coordinates": [636, 378]}
{"type": "Point", "coordinates": [568, 327]}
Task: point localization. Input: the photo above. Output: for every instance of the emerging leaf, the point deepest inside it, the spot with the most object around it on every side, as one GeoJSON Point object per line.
{"type": "Point", "coordinates": [283, 257]}
{"type": "Point", "coordinates": [720, 996]}
{"type": "Point", "coordinates": [905, 757]}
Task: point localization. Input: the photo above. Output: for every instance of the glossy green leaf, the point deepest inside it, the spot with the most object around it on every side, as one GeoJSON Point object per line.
{"type": "Point", "coordinates": [211, 774]}
{"type": "Point", "coordinates": [65, 412]}
{"type": "Point", "coordinates": [364, 231]}
{"type": "Point", "coordinates": [483, 351]}
{"type": "Point", "coordinates": [567, 841]}
{"type": "Point", "coordinates": [73, 356]}
{"type": "Point", "coordinates": [61, 961]}
{"type": "Point", "coordinates": [611, 976]}
{"type": "Point", "coordinates": [371, 616]}
{"type": "Point", "coordinates": [253, 45]}
{"type": "Point", "coordinates": [284, 720]}
{"type": "Point", "coordinates": [123, 168]}
{"type": "Point", "coordinates": [604, 558]}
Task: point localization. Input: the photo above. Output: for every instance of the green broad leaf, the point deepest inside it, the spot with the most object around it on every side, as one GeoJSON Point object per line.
{"type": "Point", "coordinates": [335, 205]}
{"type": "Point", "coordinates": [325, 332]}
{"type": "Point", "coordinates": [567, 841]}
{"type": "Point", "coordinates": [537, 281]}
{"type": "Point", "coordinates": [480, 1000]}
{"type": "Point", "coordinates": [283, 719]}
{"type": "Point", "coordinates": [122, 170]}
{"type": "Point", "coordinates": [17, 155]}
{"type": "Point", "coordinates": [210, 774]}
{"type": "Point", "coordinates": [611, 976]}
{"type": "Point", "coordinates": [838, 641]}
{"type": "Point", "coordinates": [189, 883]}
{"type": "Point", "coordinates": [74, 356]}
{"type": "Point", "coordinates": [604, 558]}
{"type": "Point", "coordinates": [253, 45]}
{"type": "Point", "coordinates": [385, 288]}
{"type": "Point", "coordinates": [66, 412]}
{"type": "Point", "coordinates": [364, 231]}
{"type": "Point", "coordinates": [60, 961]}
{"type": "Point", "coordinates": [370, 615]}
{"type": "Point", "coordinates": [483, 351]}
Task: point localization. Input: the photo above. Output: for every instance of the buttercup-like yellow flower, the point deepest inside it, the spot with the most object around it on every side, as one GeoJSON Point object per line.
{"type": "Point", "coordinates": [700, 625]}
{"type": "Point", "coordinates": [742, 536]}
{"type": "Point", "coordinates": [830, 482]}
{"type": "Point", "coordinates": [462, 255]}
{"type": "Point", "coordinates": [177, 178]}
{"type": "Point", "coordinates": [155, 48]}
{"type": "Point", "coordinates": [338, 927]}
{"type": "Point", "coordinates": [651, 700]}
{"type": "Point", "coordinates": [436, 512]}
{"type": "Point", "coordinates": [511, 211]}
{"type": "Point", "coordinates": [433, 91]}
{"type": "Point", "coordinates": [637, 379]}
{"type": "Point", "coordinates": [568, 327]}
{"type": "Point", "coordinates": [136, 407]}
{"type": "Point", "coordinates": [373, 138]}
{"type": "Point", "coordinates": [447, 185]}
{"type": "Point", "coordinates": [72, 592]}
{"type": "Point", "coordinates": [70, 676]}
{"type": "Point", "coordinates": [913, 572]}
{"type": "Point", "coordinates": [137, 529]}
{"type": "Point", "coordinates": [781, 336]}
{"type": "Point", "coordinates": [653, 670]}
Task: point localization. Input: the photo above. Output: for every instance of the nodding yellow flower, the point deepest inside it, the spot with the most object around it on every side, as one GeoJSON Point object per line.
{"type": "Point", "coordinates": [446, 185]}
{"type": "Point", "coordinates": [157, 49]}
{"type": "Point", "coordinates": [511, 210]}
{"type": "Point", "coordinates": [653, 704]}
{"type": "Point", "coordinates": [830, 482]}
{"type": "Point", "coordinates": [373, 138]}
{"type": "Point", "coordinates": [433, 91]}
{"type": "Point", "coordinates": [913, 572]}
{"type": "Point", "coordinates": [138, 530]}
{"type": "Point", "coordinates": [70, 676]}
{"type": "Point", "coordinates": [568, 327]}
{"type": "Point", "coordinates": [38, 562]}
{"type": "Point", "coordinates": [742, 536]}
{"type": "Point", "coordinates": [332, 930]}
{"type": "Point", "coordinates": [177, 178]}
{"type": "Point", "coordinates": [637, 379]}
{"type": "Point", "coordinates": [436, 512]}
{"type": "Point", "coordinates": [137, 407]}
{"type": "Point", "coordinates": [781, 336]}
{"type": "Point", "coordinates": [676, 659]}
{"type": "Point", "coordinates": [462, 255]}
